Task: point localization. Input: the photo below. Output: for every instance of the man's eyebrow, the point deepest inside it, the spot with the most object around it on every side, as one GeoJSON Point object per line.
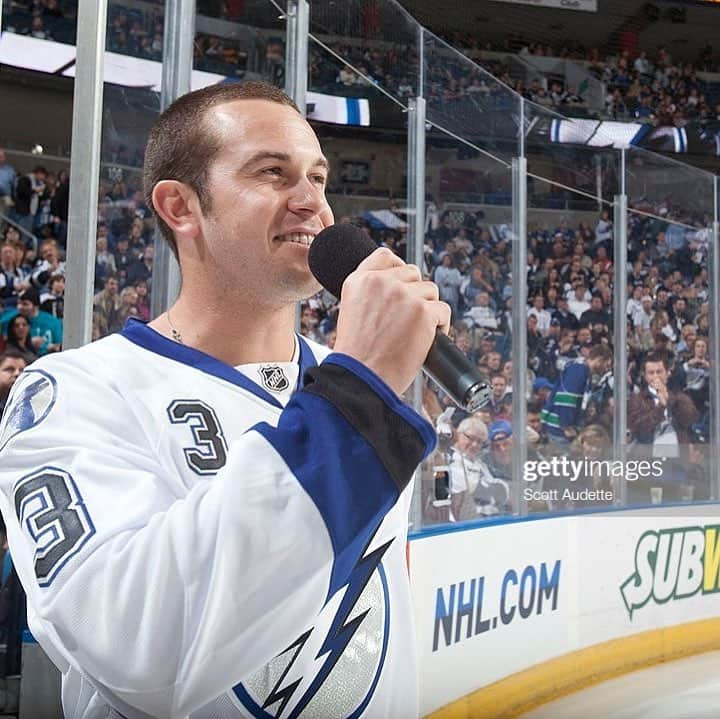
{"type": "Point", "coordinates": [264, 155]}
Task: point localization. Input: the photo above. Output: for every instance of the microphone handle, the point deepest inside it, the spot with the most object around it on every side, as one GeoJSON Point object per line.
{"type": "Point", "coordinates": [456, 375]}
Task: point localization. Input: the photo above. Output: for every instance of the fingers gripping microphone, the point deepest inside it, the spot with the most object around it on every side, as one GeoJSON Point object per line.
{"type": "Point", "coordinates": [335, 253]}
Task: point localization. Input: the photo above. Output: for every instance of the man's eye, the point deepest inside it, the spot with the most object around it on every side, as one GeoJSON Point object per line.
{"type": "Point", "coordinates": [272, 171]}
{"type": "Point", "coordinates": [319, 179]}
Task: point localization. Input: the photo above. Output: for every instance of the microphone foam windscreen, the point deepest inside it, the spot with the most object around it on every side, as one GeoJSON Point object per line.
{"type": "Point", "coordinates": [336, 252]}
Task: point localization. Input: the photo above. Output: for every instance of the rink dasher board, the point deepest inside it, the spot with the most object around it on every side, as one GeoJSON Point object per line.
{"type": "Point", "coordinates": [493, 601]}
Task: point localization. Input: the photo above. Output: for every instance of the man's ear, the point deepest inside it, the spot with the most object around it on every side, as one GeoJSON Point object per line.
{"type": "Point", "coordinates": [178, 206]}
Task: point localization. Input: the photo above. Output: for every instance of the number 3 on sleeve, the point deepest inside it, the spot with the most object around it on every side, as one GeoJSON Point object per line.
{"type": "Point", "coordinates": [52, 514]}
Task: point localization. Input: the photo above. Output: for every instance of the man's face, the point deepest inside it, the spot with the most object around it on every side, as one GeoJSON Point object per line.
{"type": "Point", "coordinates": [483, 300]}
{"type": "Point", "coordinates": [501, 447]}
{"type": "Point", "coordinates": [267, 189]}
{"type": "Point", "coordinates": [494, 359]}
{"type": "Point", "coordinates": [49, 251]}
{"type": "Point", "coordinates": [534, 422]}
{"type": "Point", "coordinates": [7, 255]}
{"type": "Point", "coordinates": [597, 304]}
{"type": "Point", "coordinates": [655, 374]}
{"type": "Point", "coordinates": [25, 308]}
{"type": "Point", "coordinates": [10, 369]}
{"type": "Point", "coordinates": [498, 387]}
{"type": "Point", "coordinates": [111, 286]}
{"type": "Point", "coordinates": [584, 335]}
{"type": "Point", "coordinates": [462, 342]}
{"type": "Point", "coordinates": [469, 442]}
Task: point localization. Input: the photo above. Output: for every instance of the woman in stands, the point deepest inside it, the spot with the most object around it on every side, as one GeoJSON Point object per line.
{"type": "Point", "coordinates": [18, 337]}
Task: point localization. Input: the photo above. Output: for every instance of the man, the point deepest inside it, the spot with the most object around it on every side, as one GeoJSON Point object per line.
{"type": "Point", "coordinates": [46, 331]}
{"type": "Point", "coordinates": [482, 314]}
{"type": "Point", "coordinates": [597, 317]}
{"type": "Point", "coordinates": [49, 265]}
{"type": "Point", "coordinates": [141, 269]}
{"type": "Point", "coordinates": [578, 303]}
{"type": "Point", "coordinates": [465, 468]}
{"type": "Point", "coordinates": [12, 364]}
{"type": "Point", "coordinates": [12, 278]}
{"type": "Point", "coordinates": [658, 416]}
{"type": "Point", "coordinates": [498, 401]}
{"type": "Point", "coordinates": [229, 491]}
{"type": "Point", "coordinates": [106, 306]}
{"type": "Point", "coordinates": [542, 315]}
{"type": "Point", "coordinates": [566, 404]}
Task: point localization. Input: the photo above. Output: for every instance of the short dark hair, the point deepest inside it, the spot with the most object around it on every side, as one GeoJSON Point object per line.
{"type": "Point", "coordinates": [11, 353]}
{"type": "Point", "coordinates": [600, 352]}
{"type": "Point", "coordinates": [182, 145]}
{"type": "Point", "coordinates": [657, 357]}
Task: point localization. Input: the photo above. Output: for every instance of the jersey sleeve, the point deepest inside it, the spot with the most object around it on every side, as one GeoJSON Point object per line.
{"type": "Point", "coordinates": [164, 597]}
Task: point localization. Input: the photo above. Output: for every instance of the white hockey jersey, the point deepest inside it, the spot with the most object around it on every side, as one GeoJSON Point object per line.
{"type": "Point", "coordinates": [192, 548]}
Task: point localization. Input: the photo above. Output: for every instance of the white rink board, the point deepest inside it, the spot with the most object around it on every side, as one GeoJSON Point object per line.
{"type": "Point", "coordinates": [571, 570]}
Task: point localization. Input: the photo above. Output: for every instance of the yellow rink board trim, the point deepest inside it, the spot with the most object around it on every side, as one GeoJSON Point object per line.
{"type": "Point", "coordinates": [519, 693]}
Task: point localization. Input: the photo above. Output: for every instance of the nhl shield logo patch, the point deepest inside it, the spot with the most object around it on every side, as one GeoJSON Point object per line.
{"type": "Point", "coordinates": [274, 378]}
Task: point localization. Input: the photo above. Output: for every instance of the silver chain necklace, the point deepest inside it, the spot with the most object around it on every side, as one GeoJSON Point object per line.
{"type": "Point", "coordinates": [175, 334]}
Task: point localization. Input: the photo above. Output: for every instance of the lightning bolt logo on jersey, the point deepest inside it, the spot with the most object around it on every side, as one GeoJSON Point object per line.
{"type": "Point", "coordinates": [332, 670]}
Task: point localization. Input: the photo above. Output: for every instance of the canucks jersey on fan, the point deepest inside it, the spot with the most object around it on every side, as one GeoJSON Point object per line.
{"type": "Point", "coordinates": [198, 540]}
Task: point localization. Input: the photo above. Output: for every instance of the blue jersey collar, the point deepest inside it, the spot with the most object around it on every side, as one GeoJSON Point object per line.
{"type": "Point", "coordinates": [137, 332]}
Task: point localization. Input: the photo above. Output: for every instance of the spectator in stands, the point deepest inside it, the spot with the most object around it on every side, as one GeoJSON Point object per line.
{"type": "Point", "coordinates": [541, 314]}
{"type": "Point", "coordinates": [499, 456]}
{"type": "Point", "coordinates": [12, 279]}
{"type": "Point", "coordinates": [143, 304]}
{"type": "Point", "coordinates": [104, 262]}
{"type": "Point", "coordinates": [642, 319]}
{"type": "Point", "coordinates": [19, 340]}
{"type": "Point", "coordinates": [578, 303]}
{"type": "Point", "coordinates": [563, 413]}
{"type": "Point", "coordinates": [597, 317]}
{"type": "Point", "coordinates": [48, 265]}
{"type": "Point", "coordinates": [43, 326]}
{"type": "Point", "coordinates": [563, 316]}
{"type": "Point", "coordinates": [106, 307]}
{"type": "Point", "coordinates": [449, 279]}
{"type": "Point", "coordinates": [465, 468]}
{"type": "Point", "coordinates": [128, 306]}
{"type": "Point", "coordinates": [482, 314]}
{"type": "Point", "coordinates": [7, 182]}
{"type": "Point", "coordinates": [123, 258]}
{"type": "Point", "coordinates": [697, 372]}
{"type": "Point", "coordinates": [141, 269]}
{"type": "Point", "coordinates": [658, 416]}
{"type": "Point", "coordinates": [500, 403]}
{"type": "Point", "coordinates": [52, 300]}
{"type": "Point", "coordinates": [12, 363]}
{"type": "Point", "coordinates": [309, 321]}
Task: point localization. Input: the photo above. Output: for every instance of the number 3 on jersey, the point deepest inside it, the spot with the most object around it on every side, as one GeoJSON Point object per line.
{"type": "Point", "coordinates": [51, 510]}
{"type": "Point", "coordinates": [209, 453]}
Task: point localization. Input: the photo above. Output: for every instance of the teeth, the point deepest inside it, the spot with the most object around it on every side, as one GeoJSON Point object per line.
{"type": "Point", "coordinates": [300, 238]}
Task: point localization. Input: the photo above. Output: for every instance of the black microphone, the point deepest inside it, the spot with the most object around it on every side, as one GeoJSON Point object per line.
{"type": "Point", "coordinates": [335, 253]}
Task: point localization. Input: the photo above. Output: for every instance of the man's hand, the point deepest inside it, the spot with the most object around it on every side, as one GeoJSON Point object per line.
{"type": "Point", "coordinates": [388, 318]}
{"type": "Point", "coordinates": [662, 393]}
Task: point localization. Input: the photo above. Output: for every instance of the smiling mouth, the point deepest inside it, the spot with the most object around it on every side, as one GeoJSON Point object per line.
{"type": "Point", "coordinates": [298, 238]}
